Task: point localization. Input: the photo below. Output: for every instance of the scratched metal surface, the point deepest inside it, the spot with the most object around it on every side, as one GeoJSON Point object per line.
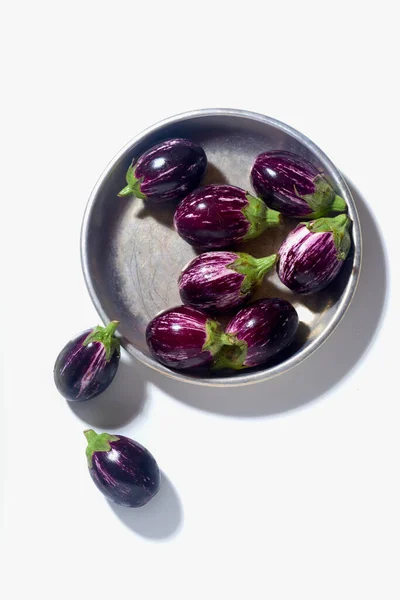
{"type": "Point", "coordinates": [132, 257]}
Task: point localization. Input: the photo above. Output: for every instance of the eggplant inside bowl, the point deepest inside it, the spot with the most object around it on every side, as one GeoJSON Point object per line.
{"type": "Point", "coordinates": [132, 256]}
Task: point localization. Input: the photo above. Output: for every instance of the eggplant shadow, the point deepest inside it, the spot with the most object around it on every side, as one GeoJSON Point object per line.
{"type": "Point", "coordinates": [120, 403]}
{"type": "Point", "coordinates": [160, 518]}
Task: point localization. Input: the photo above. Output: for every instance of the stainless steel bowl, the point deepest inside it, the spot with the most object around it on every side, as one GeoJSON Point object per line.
{"type": "Point", "coordinates": [131, 255]}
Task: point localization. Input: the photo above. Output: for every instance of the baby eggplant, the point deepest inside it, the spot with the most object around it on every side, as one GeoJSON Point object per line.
{"type": "Point", "coordinates": [289, 183]}
{"type": "Point", "coordinates": [184, 337]}
{"type": "Point", "coordinates": [168, 171]}
{"type": "Point", "coordinates": [87, 365]}
{"type": "Point", "coordinates": [219, 281]}
{"type": "Point", "coordinates": [216, 216]}
{"type": "Point", "coordinates": [123, 470]}
{"type": "Point", "coordinates": [313, 254]}
{"type": "Point", "coordinates": [260, 331]}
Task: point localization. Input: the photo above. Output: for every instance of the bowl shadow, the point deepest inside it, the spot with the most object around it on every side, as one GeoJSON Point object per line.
{"type": "Point", "coordinates": [160, 518]}
{"type": "Point", "coordinates": [120, 403]}
{"type": "Point", "coordinates": [324, 369]}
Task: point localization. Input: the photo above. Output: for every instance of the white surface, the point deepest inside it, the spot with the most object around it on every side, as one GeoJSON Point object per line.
{"type": "Point", "coordinates": [285, 490]}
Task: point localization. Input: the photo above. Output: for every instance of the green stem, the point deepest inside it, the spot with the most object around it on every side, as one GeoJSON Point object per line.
{"type": "Point", "coordinates": [272, 218]}
{"type": "Point", "coordinates": [216, 338]}
{"type": "Point", "coordinates": [105, 335]}
{"type": "Point", "coordinates": [263, 265]}
{"type": "Point", "coordinates": [338, 204]}
{"type": "Point", "coordinates": [339, 226]}
{"type": "Point", "coordinates": [323, 200]}
{"type": "Point", "coordinates": [252, 268]}
{"type": "Point", "coordinates": [326, 223]}
{"type": "Point", "coordinates": [341, 236]}
{"type": "Point", "coordinates": [259, 216]}
{"type": "Point", "coordinates": [341, 222]}
{"type": "Point", "coordinates": [227, 339]}
{"type": "Point", "coordinates": [133, 186]}
{"type": "Point", "coordinates": [90, 435]}
{"type": "Point", "coordinates": [112, 327]}
{"type": "Point", "coordinates": [126, 191]}
{"type": "Point", "coordinates": [231, 357]}
{"type": "Point", "coordinates": [97, 442]}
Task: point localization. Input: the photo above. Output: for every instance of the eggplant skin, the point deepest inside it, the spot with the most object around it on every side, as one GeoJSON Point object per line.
{"type": "Point", "coordinates": [207, 282]}
{"type": "Point", "coordinates": [308, 261]}
{"type": "Point", "coordinates": [212, 216]}
{"type": "Point", "coordinates": [176, 338]}
{"type": "Point", "coordinates": [170, 170]}
{"type": "Point", "coordinates": [281, 178]}
{"type": "Point", "coordinates": [266, 326]}
{"type": "Point", "coordinates": [82, 372]}
{"type": "Point", "coordinates": [128, 474]}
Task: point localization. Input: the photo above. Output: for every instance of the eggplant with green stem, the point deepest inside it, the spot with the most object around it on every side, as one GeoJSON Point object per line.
{"type": "Point", "coordinates": [219, 281]}
{"type": "Point", "coordinates": [292, 185]}
{"type": "Point", "coordinates": [184, 337]}
{"type": "Point", "coordinates": [258, 332]}
{"type": "Point", "coordinates": [313, 253]}
{"type": "Point", "coordinates": [217, 216]}
{"type": "Point", "coordinates": [87, 365]}
{"type": "Point", "coordinates": [167, 171]}
{"type": "Point", "coordinates": [122, 469]}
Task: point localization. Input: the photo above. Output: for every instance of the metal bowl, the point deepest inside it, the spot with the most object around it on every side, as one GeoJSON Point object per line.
{"type": "Point", "coordinates": [131, 255]}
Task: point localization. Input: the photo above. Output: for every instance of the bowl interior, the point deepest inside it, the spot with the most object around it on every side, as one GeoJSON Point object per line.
{"type": "Point", "coordinates": [132, 256]}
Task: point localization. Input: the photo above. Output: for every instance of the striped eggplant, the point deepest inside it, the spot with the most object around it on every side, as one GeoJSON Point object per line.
{"type": "Point", "coordinates": [219, 281]}
{"type": "Point", "coordinates": [168, 171]}
{"type": "Point", "coordinates": [216, 216]}
{"type": "Point", "coordinates": [87, 365]}
{"type": "Point", "coordinates": [123, 470]}
{"type": "Point", "coordinates": [313, 254]}
{"type": "Point", "coordinates": [184, 337]}
{"type": "Point", "coordinates": [259, 332]}
{"type": "Point", "coordinates": [289, 183]}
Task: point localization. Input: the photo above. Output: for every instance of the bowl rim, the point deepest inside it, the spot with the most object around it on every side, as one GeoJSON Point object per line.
{"type": "Point", "coordinates": [241, 378]}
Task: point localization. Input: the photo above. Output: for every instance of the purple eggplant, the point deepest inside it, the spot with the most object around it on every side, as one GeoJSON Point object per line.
{"type": "Point", "coordinates": [87, 365]}
{"type": "Point", "coordinates": [123, 470]}
{"type": "Point", "coordinates": [219, 281]}
{"type": "Point", "coordinates": [217, 216]}
{"type": "Point", "coordinates": [289, 183]}
{"type": "Point", "coordinates": [184, 338]}
{"type": "Point", "coordinates": [168, 171]}
{"type": "Point", "coordinates": [313, 254]}
{"type": "Point", "coordinates": [259, 331]}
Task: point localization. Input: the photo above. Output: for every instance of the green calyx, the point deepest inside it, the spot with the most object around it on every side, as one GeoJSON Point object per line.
{"type": "Point", "coordinates": [227, 350]}
{"type": "Point", "coordinates": [216, 338]}
{"type": "Point", "coordinates": [133, 185]}
{"type": "Point", "coordinates": [340, 228]}
{"type": "Point", "coordinates": [231, 357]}
{"type": "Point", "coordinates": [254, 269]}
{"type": "Point", "coordinates": [324, 200]}
{"type": "Point", "coordinates": [259, 216]}
{"type": "Point", "coordinates": [97, 442]}
{"type": "Point", "coordinates": [105, 335]}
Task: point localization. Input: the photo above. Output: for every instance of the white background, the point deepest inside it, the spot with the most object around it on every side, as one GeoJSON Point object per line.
{"type": "Point", "coordinates": [284, 490]}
